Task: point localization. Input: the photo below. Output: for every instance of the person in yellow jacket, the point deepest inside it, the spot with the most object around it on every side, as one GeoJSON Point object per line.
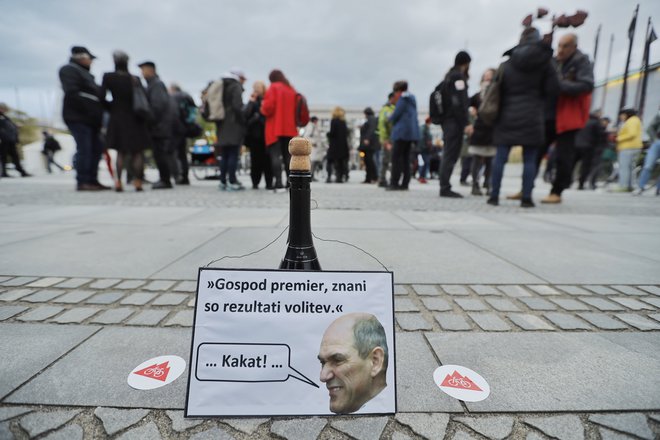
{"type": "Point", "coordinates": [628, 146]}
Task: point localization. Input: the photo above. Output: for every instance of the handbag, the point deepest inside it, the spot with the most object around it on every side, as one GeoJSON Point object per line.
{"type": "Point", "coordinates": [141, 106]}
{"type": "Point", "coordinates": [490, 106]}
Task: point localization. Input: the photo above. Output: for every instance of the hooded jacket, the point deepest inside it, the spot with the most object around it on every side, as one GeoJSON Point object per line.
{"type": "Point", "coordinates": [231, 130]}
{"type": "Point", "coordinates": [528, 80]}
{"type": "Point", "coordinates": [405, 126]}
{"type": "Point", "coordinates": [279, 108]}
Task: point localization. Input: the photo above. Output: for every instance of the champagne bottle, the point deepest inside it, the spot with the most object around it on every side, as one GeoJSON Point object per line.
{"type": "Point", "coordinates": [300, 253]}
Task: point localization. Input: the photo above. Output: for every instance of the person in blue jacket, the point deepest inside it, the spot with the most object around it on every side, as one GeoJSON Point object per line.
{"type": "Point", "coordinates": [405, 132]}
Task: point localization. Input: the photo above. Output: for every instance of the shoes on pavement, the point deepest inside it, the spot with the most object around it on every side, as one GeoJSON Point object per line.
{"type": "Point", "coordinates": [476, 191]}
{"type": "Point", "coordinates": [87, 187]}
{"type": "Point", "coordinates": [527, 203]}
{"type": "Point", "coordinates": [183, 181]}
{"type": "Point", "coordinates": [516, 196]}
{"type": "Point", "coordinates": [161, 185]}
{"type": "Point", "coordinates": [101, 187]}
{"type": "Point", "coordinates": [393, 188]}
{"type": "Point", "coordinates": [450, 194]}
{"type": "Point", "coordinates": [236, 186]}
{"type": "Point", "coordinates": [422, 180]}
{"type": "Point", "coordinates": [493, 201]}
{"type": "Point", "coordinates": [638, 192]}
{"type": "Point", "coordinates": [551, 199]}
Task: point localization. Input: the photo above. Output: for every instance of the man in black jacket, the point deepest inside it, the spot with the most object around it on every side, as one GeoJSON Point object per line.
{"type": "Point", "coordinates": [184, 119]}
{"type": "Point", "coordinates": [161, 127]}
{"type": "Point", "coordinates": [455, 104]}
{"type": "Point", "coordinates": [369, 144]}
{"type": "Point", "coordinates": [82, 112]}
{"type": "Point", "coordinates": [8, 142]}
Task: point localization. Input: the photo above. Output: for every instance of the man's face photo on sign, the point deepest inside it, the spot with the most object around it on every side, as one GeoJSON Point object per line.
{"type": "Point", "coordinates": [354, 357]}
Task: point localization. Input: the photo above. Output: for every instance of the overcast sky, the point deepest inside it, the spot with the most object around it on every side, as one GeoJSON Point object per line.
{"type": "Point", "coordinates": [336, 52]}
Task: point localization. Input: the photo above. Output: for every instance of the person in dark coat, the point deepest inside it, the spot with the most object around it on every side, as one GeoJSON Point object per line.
{"type": "Point", "coordinates": [51, 146]}
{"type": "Point", "coordinates": [338, 150]}
{"type": "Point", "coordinates": [255, 138]}
{"type": "Point", "coordinates": [231, 130]}
{"type": "Point", "coordinates": [82, 111]}
{"type": "Point", "coordinates": [405, 133]}
{"type": "Point", "coordinates": [586, 143]}
{"type": "Point", "coordinates": [8, 142]}
{"type": "Point", "coordinates": [161, 127]}
{"type": "Point", "coordinates": [127, 133]}
{"type": "Point", "coordinates": [185, 126]}
{"type": "Point", "coordinates": [369, 144]}
{"type": "Point", "coordinates": [527, 78]}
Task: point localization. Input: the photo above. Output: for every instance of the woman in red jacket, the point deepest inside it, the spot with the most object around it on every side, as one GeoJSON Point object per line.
{"type": "Point", "coordinates": [279, 107]}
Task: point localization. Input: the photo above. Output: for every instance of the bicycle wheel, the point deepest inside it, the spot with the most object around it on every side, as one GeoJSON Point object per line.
{"type": "Point", "coordinates": [200, 173]}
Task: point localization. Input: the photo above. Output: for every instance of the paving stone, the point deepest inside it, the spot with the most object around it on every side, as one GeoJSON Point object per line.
{"type": "Point", "coordinates": [105, 298]}
{"type": "Point", "coordinates": [401, 436]}
{"type": "Point", "coordinates": [471, 305]}
{"type": "Point", "coordinates": [191, 303]}
{"type": "Point", "coordinates": [566, 427]}
{"type": "Point", "coordinates": [146, 432]}
{"type": "Point", "coordinates": [529, 322]}
{"type": "Point", "coordinates": [570, 304]}
{"type": "Point", "coordinates": [43, 296]}
{"type": "Point", "coordinates": [71, 432]}
{"type": "Point", "coordinates": [654, 290]}
{"type": "Point", "coordinates": [431, 426]}
{"type": "Point", "coordinates": [362, 428]}
{"type": "Point", "coordinates": [148, 317]}
{"type": "Point", "coordinates": [462, 435]}
{"type": "Point", "coordinates": [483, 290]}
{"type": "Point", "coordinates": [400, 289]}
{"type": "Point", "coordinates": [159, 285]}
{"type": "Point", "coordinates": [138, 299]}
{"type": "Point", "coordinates": [566, 322]}
{"type": "Point", "coordinates": [602, 304]}
{"type": "Point", "coordinates": [5, 433]}
{"type": "Point", "coordinates": [14, 295]}
{"type": "Point", "coordinates": [489, 322]}
{"type": "Point", "coordinates": [602, 321]}
{"type": "Point", "coordinates": [170, 299]}
{"type": "Point", "coordinates": [7, 312]}
{"type": "Point", "coordinates": [496, 427]}
{"type": "Point", "coordinates": [575, 290]}
{"type": "Point", "coordinates": [104, 283]}
{"type": "Point", "coordinates": [601, 290]}
{"type": "Point", "coordinates": [18, 281]}
{"type": "Point", "coordinates": [632, 423]}
{"type": "Point", "coordinates": [654, 417]}
{"type": "Point", "coordinates": [534, 436]}
{"type": "Point", "coordinates": [213, 434]}
{"type": "Point", "coordinates": [638, 321]}
{"type": "Point", "coordinates": [73, 283]}
{"type": "Point", "coordinates": [412, 322]}
{"type": "Point", "coordinates": [629, 290]}
{"type": "Point", "coordinates": [502, 305]}
{"type": "Point", "coordinates": [46, 282]}
{"type": "Point", "coordinates": [633, 304]}
{"type": "Point", "coordinates": [655, 316]}
{"type": "Point", "coordinates": [40, 313]}
{"type": "Point", "coordinates": [538, 304]}
{"type": "Point", "coordinates": [183, 318]}
{"type": "Point", "coordinates": [514, 291]}
{"type": "Point", "coordinates": [452, 321]}
{"type": "Point", "coordinates": [115, 420]}
{"type": "Point", "coordinates": [426, 289]}
{"type": "Point", "coordinates": [544, 290]}
{"type": "Point", "coordinates": [246, 425]}
{"type": "Point", "coordinates": [76, 315]}
{"type": "Point", "coordinates": [299, 429]}
{"type": "Point", "coordinates": [75, 296]}
{"type": "Point", "coordinates": [186, 286]}
{"type": "Point", "coordinates": [9, 412]}
{"type": "Point", "coordinates": [3, 279]}
{"type": "Point", "coordinates": [608, 434]}
{"type": "Point", "coordinates": [655, 302]}
{"type": "Point", "coordinates": [180, 423]}
{"type": "Point", "coordinates": [405, 305]}
{"type": "Point", "coordinates": [455, 290]}
{"type": "Point", "coordinates": [129, 284]}
{"type": "Point", "coordinates": [39, 422]}
{"type": "Point", "coordinates": [436, 304]}
{"type": "Point", "coordinates": [113, 316]}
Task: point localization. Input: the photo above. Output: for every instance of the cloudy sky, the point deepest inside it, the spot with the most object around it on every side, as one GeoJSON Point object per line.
{"type": "Point", "coordinates": [336, 52]}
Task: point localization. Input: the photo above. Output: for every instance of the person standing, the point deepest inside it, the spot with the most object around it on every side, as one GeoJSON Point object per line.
{"type": "Point", "coordinates": [576, 81]}
{"type": "Point", "coordinates": [127, 133]}
{"type": "Point", "coordinates": [254, 137]}
{"type": "Point", "coordinates": [527, 78]}
{"type": "Point", "coordinates": [9, 142]}
{"type": "Point", "coordinates": [279, 108]}
{"type": "Point", "coordinates": [314, 133]}
{"type": "Point", "coordinates": [185, 125]}
{"type": "Point", "coordinates": [338, 149]}
{"type": "Point", "coordinates": [405, 132]}
{"type": "Point", "coordinates": [586, 143]}
{"type": "Point", "coordinates": [455, 123]}
{"type": "Point", "coordinates": [51, 146]}
{"type": "Point", "coordinates": [369, 144]}
{"type": "Point", "coordinates": [481, 146]}
{"type": "Point", "coordinates": [384, 134]}
{"type": "Point", "coordinates": [161, 126]}
{"type": "Point", "coordinates": [425, 148]}
{"type": "Point", "coordinates": [82, 111]}
{"type": "Point", "coordinates": [652, 155]}
{"type": "Point", "coordinates": [628, 146]}
{"type": "Point", "coordinates": [231, 129]}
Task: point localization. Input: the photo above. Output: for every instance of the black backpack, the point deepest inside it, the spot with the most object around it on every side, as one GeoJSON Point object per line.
{"type": "Point", "coordinates": [436, 104]}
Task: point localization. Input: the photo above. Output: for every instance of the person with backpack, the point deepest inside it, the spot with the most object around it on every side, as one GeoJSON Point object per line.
{"type": "Point", "coordinates": [185, 126]}
{"type": "Point", "coordinates": [231, 129]}
{"type": "Point", "coordinates": [279, 108]}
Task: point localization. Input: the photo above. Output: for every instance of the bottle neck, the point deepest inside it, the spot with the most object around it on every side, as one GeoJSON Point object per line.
{"type": "Point", "coordinates": [300, 228]}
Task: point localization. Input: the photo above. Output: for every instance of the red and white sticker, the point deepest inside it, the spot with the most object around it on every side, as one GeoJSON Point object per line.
{"type": "Point", "coordinates": [156, 372]}
{"type": "Point", "coordinates": [461, 383]}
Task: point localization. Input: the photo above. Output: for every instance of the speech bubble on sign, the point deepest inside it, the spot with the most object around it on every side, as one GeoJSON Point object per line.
{"type": "Point", "coordinates": [234, 362]}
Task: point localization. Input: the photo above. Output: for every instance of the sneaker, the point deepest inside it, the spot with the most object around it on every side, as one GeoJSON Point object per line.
{"type": "Point", "coordinates": [450, 194]}
{"type": "Point", "coordinates": [527, 203]}
{"type": "Point", "coordinates": [552, 199]}
{"type": "Point", "coordinates": [516, 196]}
{"type": "Point", "coordinates": [493, 201]}
{"type": "Point", "coordinates": [638, 192]}
{"type": "Point", "coordinates": [235, 187]}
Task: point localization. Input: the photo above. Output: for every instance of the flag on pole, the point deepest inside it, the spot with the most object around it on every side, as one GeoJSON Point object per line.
{"type": "Point", "coordinates": [652, 36]}
{"type": "Point", "coordinates": [633, 25]}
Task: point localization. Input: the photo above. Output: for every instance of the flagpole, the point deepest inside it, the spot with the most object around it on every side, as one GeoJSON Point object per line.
{"type": "Point", "coordinates": [631, 36]}
{"type": "Point", "coordinates": [650, 38]}
{"type": "Point", "coordinates": [642, 69]}
{"type": "Point", "coordinates": [596, 44]}
{"type": "Point", "coordinates": [607, 73]}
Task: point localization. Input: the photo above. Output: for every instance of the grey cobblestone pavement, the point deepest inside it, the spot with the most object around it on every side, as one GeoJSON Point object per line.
{"type": "Point", "coordinates": [569, 295]}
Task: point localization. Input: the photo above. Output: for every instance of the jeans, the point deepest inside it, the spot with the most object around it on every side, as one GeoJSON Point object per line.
{"type": "Point", "coordinates": [652, 155]}
{"type": "Point", "coordinates": [626, 160]}
{"type": "Point", "coordinates": [424, 169]}
{"type": "Point", "coordinates": [529, 170]}
{"type": "Point", "coordinates": [88, 152]}
{"type": "Point", "coordinates": [385, 162]}
{"type": "Point", "coordinates": [229, 163]}
{"type": "Point", "coordinates": [401, 163]}
{"type": "Point", "coordinates": [453, 137]}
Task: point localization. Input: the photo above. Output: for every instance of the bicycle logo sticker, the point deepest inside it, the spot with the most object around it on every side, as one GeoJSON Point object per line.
{"type": "Point", "coordinates": [156, 372]}
{"type": "Point", "coordinates": [461, 383]}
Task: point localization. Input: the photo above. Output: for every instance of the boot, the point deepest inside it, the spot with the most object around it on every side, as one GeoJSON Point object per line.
{"type": "Point", "coordinates": [476, 191]}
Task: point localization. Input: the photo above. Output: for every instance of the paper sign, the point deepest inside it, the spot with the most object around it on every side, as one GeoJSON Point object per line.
{"type": "Point", "coordinates": [268, 343]}
{"type": "Point", "coordinates": [156, 372]}
{"type": "Point", "coordinates": [461, 383]}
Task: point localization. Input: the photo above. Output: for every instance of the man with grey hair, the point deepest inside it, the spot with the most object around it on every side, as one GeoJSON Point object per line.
{"type": "Point", "coordinates": [82, 112]}
{"type": "Point", "coordinates": [354, 358]}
